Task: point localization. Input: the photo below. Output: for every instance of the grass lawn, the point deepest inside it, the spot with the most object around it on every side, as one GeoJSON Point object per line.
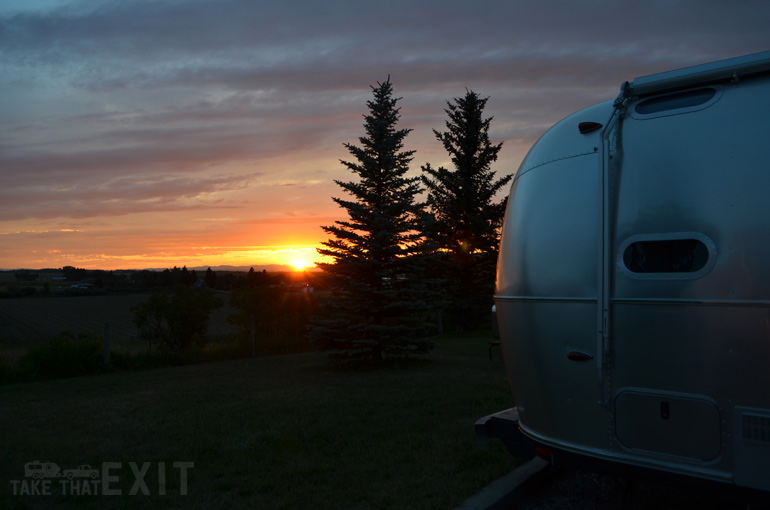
{"type": "Point", "coordinates": [278, 432]}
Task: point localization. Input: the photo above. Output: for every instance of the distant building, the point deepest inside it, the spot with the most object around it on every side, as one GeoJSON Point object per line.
{"type": "Point", "coordinates": [298, 288]}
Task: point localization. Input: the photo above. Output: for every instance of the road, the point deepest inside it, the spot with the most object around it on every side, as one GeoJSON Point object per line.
{"type": "Point", "coordinates": [580, 490]}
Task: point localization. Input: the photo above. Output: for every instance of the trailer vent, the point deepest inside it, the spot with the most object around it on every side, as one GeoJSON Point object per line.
{"type": "Point", "coordinates": [756, 428]}
{"type": "Point", "coordinates": [752, 447]}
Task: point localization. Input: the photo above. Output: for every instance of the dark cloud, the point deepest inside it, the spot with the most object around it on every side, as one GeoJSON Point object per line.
{"type": "Point", "coordinates": [79, 198]}
{"type": "Point", "coordinates": [245, 44]}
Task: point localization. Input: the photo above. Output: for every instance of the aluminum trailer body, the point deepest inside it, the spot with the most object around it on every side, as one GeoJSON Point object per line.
{"type": "Point", "coordinates": [633, 285]}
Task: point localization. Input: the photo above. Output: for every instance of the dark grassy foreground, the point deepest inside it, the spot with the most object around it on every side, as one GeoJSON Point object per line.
{"type": "Point", "coordinates": [279, 432]}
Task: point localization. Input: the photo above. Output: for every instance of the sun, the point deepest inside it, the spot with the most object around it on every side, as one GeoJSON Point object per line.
{"type": "Point", "coordinates": [298, 258]}
{"type": "Point", "coordinates": [301, 259]}
{"type": "Point", "coordinates": [300, 264]}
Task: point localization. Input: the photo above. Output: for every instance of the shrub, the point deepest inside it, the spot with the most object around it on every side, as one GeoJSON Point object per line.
{"type": "Point", "coordinates": [177, 321]}
{"type": "Point", "coordinates": [14, 292]}
{"type": "Point", "coordinates": [67, 355]}
{"type": "Point", "coordinates": [64, 356]}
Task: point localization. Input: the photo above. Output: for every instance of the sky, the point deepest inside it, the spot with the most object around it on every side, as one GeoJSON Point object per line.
{"type": "Point", "coordinates": [151, 134]}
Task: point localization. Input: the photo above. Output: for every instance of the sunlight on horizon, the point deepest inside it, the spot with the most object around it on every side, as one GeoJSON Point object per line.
{"type": "Point", "coordinates": [299, 257]}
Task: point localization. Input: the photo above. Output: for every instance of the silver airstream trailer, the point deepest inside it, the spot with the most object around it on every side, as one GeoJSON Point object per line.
{"type": "Point", "coordinates": [633, 286]}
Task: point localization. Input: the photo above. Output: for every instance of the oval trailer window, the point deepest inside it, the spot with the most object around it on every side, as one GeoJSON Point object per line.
{"type": "Point", "coordinates": [676, 101]}
{"type": "Point", "coordinates": [666, 256]}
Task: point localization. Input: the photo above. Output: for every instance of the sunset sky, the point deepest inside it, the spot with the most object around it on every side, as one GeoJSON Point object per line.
{"type": "Point", "coordinates": [139, 134]}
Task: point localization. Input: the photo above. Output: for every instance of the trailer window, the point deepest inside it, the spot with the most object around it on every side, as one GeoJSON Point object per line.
{"type": "Point", "coordinates": [676, 101]}
{"type": "Point", "coordinates": [666, 256]}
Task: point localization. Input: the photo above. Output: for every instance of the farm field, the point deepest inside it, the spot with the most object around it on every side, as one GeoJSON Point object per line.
{"type": "Point", "coordinates": [274, 432]}
{"type": "Point", "coordinates": [26, 322]}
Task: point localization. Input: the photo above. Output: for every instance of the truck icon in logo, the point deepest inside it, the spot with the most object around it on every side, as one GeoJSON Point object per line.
{"type": "Point", "coordinates": [84, 471]}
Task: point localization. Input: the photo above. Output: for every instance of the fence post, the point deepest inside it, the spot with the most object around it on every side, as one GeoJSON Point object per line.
{"type": "Point", "coordinates": [106, 343]}
{"type": "Point", "coordinates": [253, 346]}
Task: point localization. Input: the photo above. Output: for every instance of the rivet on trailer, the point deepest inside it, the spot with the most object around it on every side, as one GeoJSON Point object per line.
{"type": "Point", "coordinates": [633, 285]}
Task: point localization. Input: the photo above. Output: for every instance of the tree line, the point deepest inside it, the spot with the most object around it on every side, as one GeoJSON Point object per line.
{"type": "Point", "coordinates": [103, 281]}
{"type": "Point", "coordinates": [398, 260]}
{"type": "Point", "coordinates": [265, 308]}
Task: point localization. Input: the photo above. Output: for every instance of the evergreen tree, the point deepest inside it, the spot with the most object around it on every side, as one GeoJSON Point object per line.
{"type": "Point", "coordinates": [467, 221]}
{"type": "Point", "coordinates": [211, 279]}
{"type": "Point", "coordinates": [380, 252]}
{"type": "Point", "coordinates": [256, 278]}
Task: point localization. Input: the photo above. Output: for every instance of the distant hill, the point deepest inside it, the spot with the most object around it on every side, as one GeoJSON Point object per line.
{"type": "Point", "coordinates": [270, 268]}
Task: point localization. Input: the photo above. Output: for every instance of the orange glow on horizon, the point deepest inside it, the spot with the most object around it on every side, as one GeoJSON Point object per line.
{"type": "Point", "coordinates": [292, 244]}
{"type": "Point", "coordinates": [299, 265]}
{"type": "Point", "coordinates": [301, 258]}
{"type": "Point", "coordinates": [295, 257]}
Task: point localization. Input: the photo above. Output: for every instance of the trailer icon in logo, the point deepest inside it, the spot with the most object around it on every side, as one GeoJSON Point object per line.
{"type": "Point", "coordinates": [39, 470]}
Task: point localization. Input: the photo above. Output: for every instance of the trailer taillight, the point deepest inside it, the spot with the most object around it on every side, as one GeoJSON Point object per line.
{"type": "Point", "coordinates": [588, 127]}
{"type": "Point", "coordinates": [544, 452]}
